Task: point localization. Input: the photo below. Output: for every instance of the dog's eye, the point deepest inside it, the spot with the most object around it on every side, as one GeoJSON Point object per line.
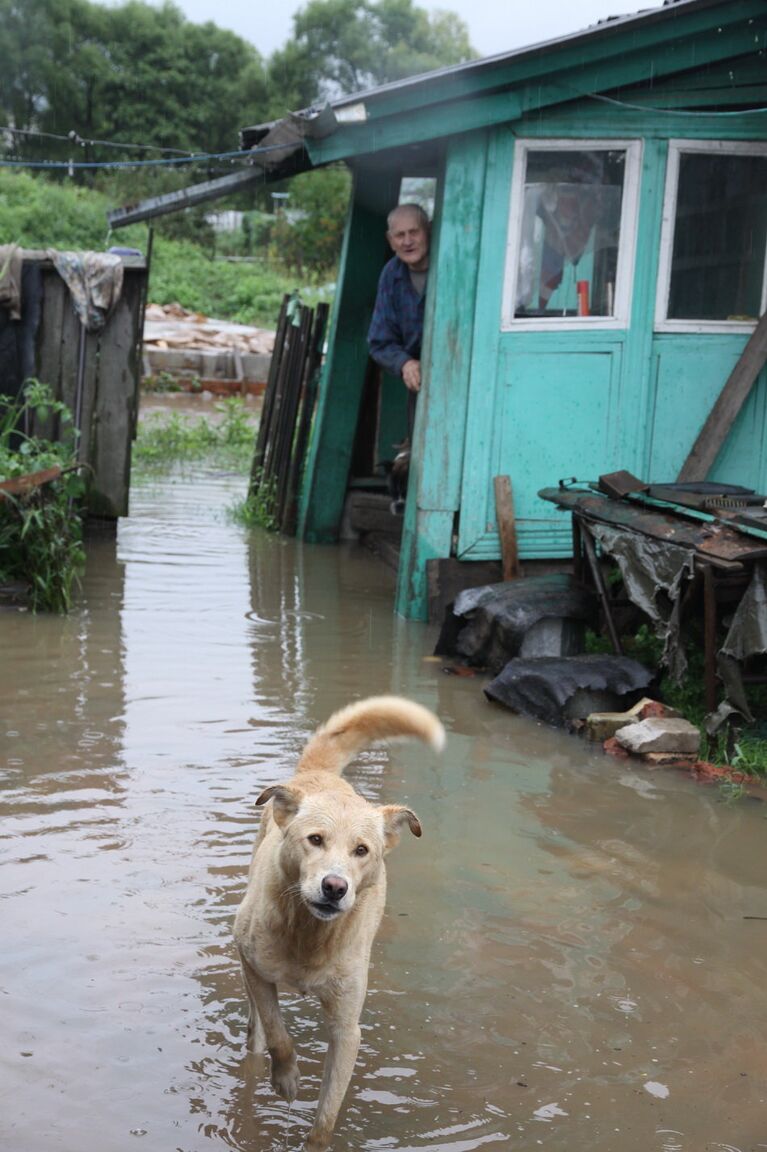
{"type": "Point", "coordinates": [315, 839]}
{"type": "Point", "coordinates": [361, 850]}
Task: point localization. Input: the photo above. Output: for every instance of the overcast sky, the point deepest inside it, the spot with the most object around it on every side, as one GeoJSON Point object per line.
{"type": "Point", "coordinates": [494, 25]}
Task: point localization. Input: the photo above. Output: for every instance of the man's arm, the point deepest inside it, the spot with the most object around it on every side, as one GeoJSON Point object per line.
{"type": "Point", "coordinates": [385, 337]}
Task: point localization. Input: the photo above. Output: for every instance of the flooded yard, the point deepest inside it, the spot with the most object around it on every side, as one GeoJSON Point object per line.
{"type": "Point", "coordinates": [574, 956]}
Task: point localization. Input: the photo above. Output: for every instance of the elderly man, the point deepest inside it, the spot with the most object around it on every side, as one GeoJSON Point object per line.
{"type": "Point", "coordinates": [395, 331]}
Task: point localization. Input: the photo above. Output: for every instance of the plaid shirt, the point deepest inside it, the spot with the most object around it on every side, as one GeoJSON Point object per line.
{"type": "Point", "coordinates": [394, 336]}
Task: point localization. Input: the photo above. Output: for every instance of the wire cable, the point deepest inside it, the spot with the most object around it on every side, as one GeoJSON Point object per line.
{"type": "Point", "coordinates": [669, 111]}
{"type": "Point", "coordinates": [199, 158]}
{"type": "Point", "coordinates": [74, 137]}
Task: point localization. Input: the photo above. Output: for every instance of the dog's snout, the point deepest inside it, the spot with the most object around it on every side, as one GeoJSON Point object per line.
{"type": "Point", "coordinates": [334, 888]}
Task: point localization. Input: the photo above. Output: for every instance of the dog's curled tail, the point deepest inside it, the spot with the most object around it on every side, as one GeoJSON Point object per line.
{"type": "Point", "coordinates": [353, 728]}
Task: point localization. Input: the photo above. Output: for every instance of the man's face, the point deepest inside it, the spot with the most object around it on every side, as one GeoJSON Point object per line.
{"type": "Point", "coordinates": [409, 240]}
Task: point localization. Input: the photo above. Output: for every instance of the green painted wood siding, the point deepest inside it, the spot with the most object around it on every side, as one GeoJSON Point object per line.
{"type": "Point", "coordinates": [438, 456]}
{"type": "Point", "coordinates": [330, 450]}
{"type": "Point", "coordinates": [542, 406]}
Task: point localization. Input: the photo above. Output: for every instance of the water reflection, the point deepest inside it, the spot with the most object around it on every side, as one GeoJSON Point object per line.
{"type": "Point", "coordinates": [565, 961]}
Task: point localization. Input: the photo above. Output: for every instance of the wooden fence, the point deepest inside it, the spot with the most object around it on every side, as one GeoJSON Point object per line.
{"type": "Point", "coordinates": [286, 418]}
{"type": "Point", "coordinates": [97, 375]}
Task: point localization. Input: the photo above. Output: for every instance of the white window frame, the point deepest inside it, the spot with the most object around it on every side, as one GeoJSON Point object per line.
{"type": "Point", "coordinates": [624, 278]}
{"type": "Point", "coordinates": [675, 150]}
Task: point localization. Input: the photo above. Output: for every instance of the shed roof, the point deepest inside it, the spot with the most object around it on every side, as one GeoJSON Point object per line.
{"type": "Point", "coordinates": [624, 49]}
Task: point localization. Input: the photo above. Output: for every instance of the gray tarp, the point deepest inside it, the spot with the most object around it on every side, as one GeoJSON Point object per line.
{"type": "Point", "coordinates": [746, 637]}
{"type": "Point", "coordinates": [486, 625]}
{"type": "Point", "coordinates": [654, 574]}
{"type": "Point", "coordinates": [547, 687]}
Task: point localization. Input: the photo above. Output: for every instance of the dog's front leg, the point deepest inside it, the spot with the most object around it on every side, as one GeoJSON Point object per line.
{"type": "Point", "coordinates": [263, 995]}
{"type": "Point", "coordinates": [342, 1007]}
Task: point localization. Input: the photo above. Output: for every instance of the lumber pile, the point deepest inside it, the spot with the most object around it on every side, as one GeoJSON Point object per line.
{"type": "Point", "coordinates": [189, 344]}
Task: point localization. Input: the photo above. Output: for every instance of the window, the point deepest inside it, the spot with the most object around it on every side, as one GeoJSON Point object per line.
{"type": "Point", "coordinates": [571, 234]}
{"type": "Point", "coordinates": [714, 242]}
{"type": "Point", "coordinates": [419, 190]}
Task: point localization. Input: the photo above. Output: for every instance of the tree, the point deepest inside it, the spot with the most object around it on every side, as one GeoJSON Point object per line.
{"type": "Point", "coordinates": [135, 73]}
{"type": "Point", "coordinates": [342, 46]}
{"type": "Point", "coordinates": [308, 234]}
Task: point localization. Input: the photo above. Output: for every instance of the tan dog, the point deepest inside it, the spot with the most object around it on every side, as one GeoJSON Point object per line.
{"type": "Point", "coordinates": [316, 893]}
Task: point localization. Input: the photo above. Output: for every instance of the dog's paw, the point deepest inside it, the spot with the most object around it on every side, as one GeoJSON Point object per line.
{"type": "Point", "coordinates": [285, 1078]}
{"type": "Point", "coordinates": [317, 1142]}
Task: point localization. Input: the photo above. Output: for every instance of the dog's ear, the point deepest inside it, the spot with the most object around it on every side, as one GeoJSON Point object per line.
{"type": "Point", "coordinates": [286, 802]}
{"type": "Point", "coordinates": [395, 817]}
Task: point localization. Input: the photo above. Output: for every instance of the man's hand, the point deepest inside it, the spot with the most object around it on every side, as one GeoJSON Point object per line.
{"type": "Point", "coordinates": [411, 374]}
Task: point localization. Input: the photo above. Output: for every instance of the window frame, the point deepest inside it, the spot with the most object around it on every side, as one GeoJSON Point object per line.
{"type": "Point", "coordinates": [676, 148]}
{"type": "Point", "coordinates": [627, 237]}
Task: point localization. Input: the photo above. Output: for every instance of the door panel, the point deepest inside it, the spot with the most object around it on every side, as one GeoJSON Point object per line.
{"type": "Point", "coordinates": [557, 418]}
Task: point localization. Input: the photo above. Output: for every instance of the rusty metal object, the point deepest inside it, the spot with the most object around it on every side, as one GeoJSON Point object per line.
{"type": "Point", "coordinates": [717, 543]}
{"type": "Point", "coordinates": [619, 484]}
{"type": "Point", "coordinates": [596, 572]}
{"type": "Point", "coordinates": [21, 485]}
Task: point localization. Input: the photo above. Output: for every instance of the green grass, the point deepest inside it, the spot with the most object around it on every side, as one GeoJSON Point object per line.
{"type": "Point", "coordinates": [258, 510]}
{"type": "Point", "coordinates": [244, 293]}
{"type": "Point", "coordinates": [168, 440]}
{"type": "Point", "coordinates": [38, 213]}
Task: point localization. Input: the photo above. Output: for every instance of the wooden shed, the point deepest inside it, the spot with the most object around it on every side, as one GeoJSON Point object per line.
{"type": "Point", "coordinates": [95, 371]}
{"type": "Point", "coordinates": [598, 267]}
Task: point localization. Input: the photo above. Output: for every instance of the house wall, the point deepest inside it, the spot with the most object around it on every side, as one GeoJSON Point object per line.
{"type": "Point", "coordinates": [539, 406]}
{"type": "Point", "coordinates": [343, 374]}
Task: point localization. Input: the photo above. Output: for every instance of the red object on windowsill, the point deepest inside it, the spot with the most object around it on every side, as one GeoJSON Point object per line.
{"type": "Point", "coordinates": [582, 287]}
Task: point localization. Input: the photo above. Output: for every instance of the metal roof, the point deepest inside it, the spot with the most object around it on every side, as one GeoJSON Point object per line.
{"type": "Point", "coordinates": [603, 28]}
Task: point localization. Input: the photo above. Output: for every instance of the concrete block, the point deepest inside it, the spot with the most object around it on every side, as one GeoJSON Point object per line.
{"type": "Point", "coordinates": [660, 734]}
{"type": "Point", "coordinates": [601, 726]}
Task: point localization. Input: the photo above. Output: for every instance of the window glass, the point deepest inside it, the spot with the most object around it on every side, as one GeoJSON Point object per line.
{"type": "Point", "coordinates": [419, 190]}
{"type": "Point", "coordinates": [720, 230]}
{"type": "Point", "coordinates": [571, 216]}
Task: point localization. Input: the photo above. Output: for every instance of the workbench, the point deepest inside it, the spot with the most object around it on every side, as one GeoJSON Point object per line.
{"type": "Point", "coordinates": [664, 551]}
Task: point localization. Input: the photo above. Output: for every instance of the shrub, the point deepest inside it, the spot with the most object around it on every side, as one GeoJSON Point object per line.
{"type": "Point", "coordinates": [40, 528]}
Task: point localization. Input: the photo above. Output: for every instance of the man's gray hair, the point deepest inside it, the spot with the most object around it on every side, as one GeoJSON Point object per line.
{"type": "Point", "coordinates": [423, 218]}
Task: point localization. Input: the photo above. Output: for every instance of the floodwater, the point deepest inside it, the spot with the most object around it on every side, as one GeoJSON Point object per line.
{"type": "Point", "coordinates": [574, 955]}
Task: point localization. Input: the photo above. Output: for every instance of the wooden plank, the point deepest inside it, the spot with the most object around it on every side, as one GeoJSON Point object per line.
{"type": "Point", "coordinates": [729, 403]}
{"type": "Point", "coordinates": [289, 413]}
{"type": "Point", "coordinates": [447, 578]}
{"type": "Point", "coordinates": [85, 393]}
{"type": "Point", "coordinates": [265, 422]}
{"type": "Point", "coordinates": [308, 404]}
{"type": "Point", "coordinates": [111, 419]}
{"type": "Point", "coordinates": [49, 360]}
{"type": "Point", "coordinates": [726, 548]}
{"type": "Point", "coordinates": [507, 527]}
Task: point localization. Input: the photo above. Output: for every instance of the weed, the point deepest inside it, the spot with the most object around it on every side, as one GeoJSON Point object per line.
{"type": "Point", "coordinates": [750, 756]}
{"type": "Point", "coordinates": [40, 528]}
{"type": "Point", "coordinates": [258, 509]}
{"type": "Point", "coordinates": [167, 440]}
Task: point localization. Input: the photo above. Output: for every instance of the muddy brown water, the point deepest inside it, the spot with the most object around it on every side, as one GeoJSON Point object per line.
{"type": "Point", "coordinates": [569, 958]}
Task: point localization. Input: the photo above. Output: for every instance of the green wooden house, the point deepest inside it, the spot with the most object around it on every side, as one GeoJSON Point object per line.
{"type": "Point", "coordinates": [598, 266]}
